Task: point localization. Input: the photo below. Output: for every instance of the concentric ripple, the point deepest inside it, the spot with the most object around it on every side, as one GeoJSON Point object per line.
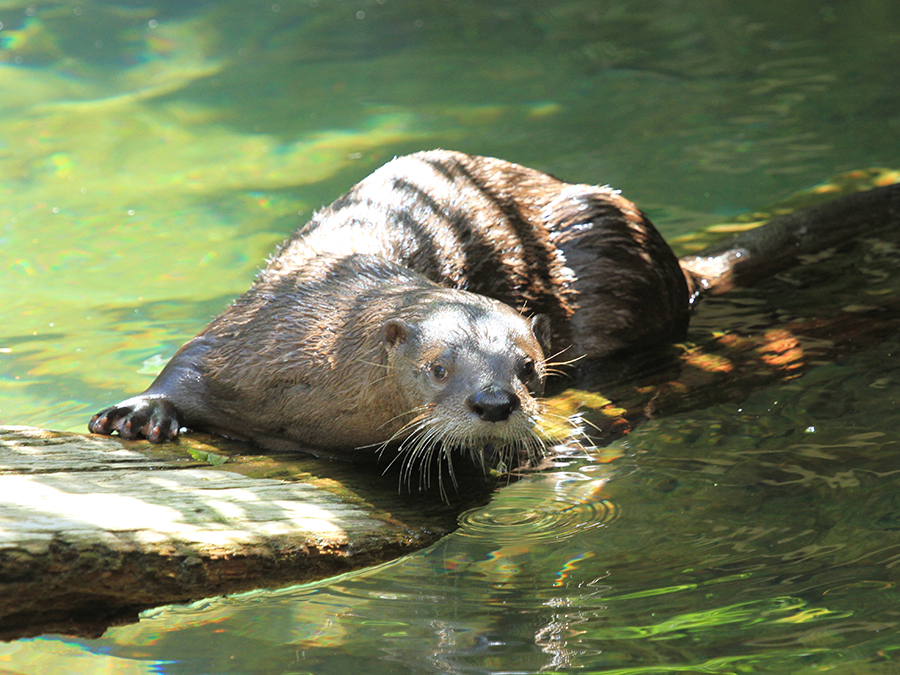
{"type": "Point", "coordinates": [529, 513]}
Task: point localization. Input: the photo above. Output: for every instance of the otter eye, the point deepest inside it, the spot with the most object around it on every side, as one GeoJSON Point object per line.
{"type": "Point", "coordinates": [527, 370]}
{"type": "Point", "coordinates": [438, 372]}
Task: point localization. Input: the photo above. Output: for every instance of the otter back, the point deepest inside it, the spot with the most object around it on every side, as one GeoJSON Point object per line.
{"type": "Point", "coordinates": [583, 255]}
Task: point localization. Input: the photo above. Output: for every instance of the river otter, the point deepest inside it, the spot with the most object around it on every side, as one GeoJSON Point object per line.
{"type": "Point", "coordinates": [372, 323]}
{"type": "Point", "coordinates": [344, 353]}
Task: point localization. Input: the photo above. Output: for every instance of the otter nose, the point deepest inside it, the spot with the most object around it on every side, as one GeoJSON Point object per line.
{"type": "Point", "coordinates": [493, 404]}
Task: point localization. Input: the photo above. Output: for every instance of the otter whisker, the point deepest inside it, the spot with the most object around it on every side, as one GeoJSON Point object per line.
{"type": "Point", "coordinates": [563, 420]}
{"type": "Point", "coordinates": [558, 367]}
{"type": "Point", "coordinates": [420, 458]}
{"type": "Point", "coordinates": [418, 413]}
{"type": "Point", "coordinates": [554, 367]}
{"type": "Point", "coordinates": [414, 429]}
{"type": "Point", "coordinates": [436, 450]}
{"type": "Point", "coordinates": [411, 447]}
{"type": "Point", "coordinates": [374, 364]}
{"type": "Point", "coordinates": [549, 358]}
{"type": "Point", "coordinates": [585, 420]}
{"type": "Point", "coordinates": [430, 448]}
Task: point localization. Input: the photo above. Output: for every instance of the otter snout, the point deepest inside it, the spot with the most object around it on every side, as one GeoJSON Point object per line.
{"type": "Point", "coordinates": [493, 404]}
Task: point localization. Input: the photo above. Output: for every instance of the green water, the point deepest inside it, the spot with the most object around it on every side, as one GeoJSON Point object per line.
{"type": "Point", "coordinates": [152, 154]}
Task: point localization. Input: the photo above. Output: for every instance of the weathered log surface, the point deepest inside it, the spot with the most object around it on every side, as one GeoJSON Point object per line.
{"type": "Point", "coordinates": [93, 529]}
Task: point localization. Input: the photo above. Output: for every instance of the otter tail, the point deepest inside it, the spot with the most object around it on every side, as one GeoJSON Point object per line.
{"type": "Point", "coordinates": [779, 244]}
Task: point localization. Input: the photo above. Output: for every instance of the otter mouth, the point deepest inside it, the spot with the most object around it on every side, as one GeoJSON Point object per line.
{"type": "Point", "coordinates": [438, 440]}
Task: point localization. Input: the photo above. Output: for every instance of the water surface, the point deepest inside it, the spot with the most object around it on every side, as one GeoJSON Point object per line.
{"type": "Point", "coordinates": [152, 154]}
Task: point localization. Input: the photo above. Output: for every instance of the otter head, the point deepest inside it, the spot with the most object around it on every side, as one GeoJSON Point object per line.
{"type": "Point", "coordinates": [470, 371]}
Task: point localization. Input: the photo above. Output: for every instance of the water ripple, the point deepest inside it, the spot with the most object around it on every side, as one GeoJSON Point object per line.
{"type": "Point", "coordinates": [535, 515]}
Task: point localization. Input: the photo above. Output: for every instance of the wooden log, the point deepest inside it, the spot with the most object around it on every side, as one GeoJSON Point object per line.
{"type": "Point", "coordinates": [94, 529]}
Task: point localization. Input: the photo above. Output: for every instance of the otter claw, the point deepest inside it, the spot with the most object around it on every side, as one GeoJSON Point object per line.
{"type": "Point", "coordinates": [155, 419]}
{"type": "Point", "coordinates": [97, 424]}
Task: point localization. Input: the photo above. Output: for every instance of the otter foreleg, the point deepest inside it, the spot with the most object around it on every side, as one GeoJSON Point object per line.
{"type": "Point", "coordinates": [176, 398]}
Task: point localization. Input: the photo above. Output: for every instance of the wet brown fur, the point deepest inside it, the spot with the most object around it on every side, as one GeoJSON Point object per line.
{"type": "Point", "coordinates": [304, 358]}
{"type": "Point", "coordinates": [583, 255]}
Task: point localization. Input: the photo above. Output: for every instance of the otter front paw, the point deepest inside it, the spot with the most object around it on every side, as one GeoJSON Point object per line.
{"type": "Point", "coordinates": [156, 419]}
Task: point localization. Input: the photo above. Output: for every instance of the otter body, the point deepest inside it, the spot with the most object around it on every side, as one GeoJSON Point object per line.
{"type": "Point", "coordinates": [397, 312]}
{"type": "Point", "coordinates": [348, 352]}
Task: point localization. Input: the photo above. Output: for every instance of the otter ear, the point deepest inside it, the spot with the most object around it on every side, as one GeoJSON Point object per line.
{"type": "Point", "coordinates": [396, 331]}
{"type": "Point", "coordinates": [540, 326]}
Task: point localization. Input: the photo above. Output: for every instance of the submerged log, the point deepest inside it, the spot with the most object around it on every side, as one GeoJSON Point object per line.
{"type": "Point", "coordinates": [724, 367]}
